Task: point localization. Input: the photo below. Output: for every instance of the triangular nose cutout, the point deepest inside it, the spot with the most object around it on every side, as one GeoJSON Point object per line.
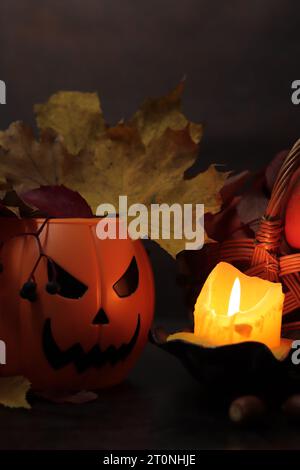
{"type": "Point", "coordinates": [101, 318]}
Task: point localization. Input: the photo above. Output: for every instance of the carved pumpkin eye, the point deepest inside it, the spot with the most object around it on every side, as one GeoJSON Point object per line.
{"type": "Point", "coordinates": [128, 283]}
{"type": "Point", "coordinates": [68, 285]}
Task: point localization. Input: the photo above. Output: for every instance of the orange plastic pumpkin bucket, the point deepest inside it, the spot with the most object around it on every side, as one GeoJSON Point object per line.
{"type": "Point", "coordinates": [87, 334]}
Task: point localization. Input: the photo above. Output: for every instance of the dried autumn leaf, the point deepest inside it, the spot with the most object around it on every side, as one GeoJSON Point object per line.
{"type": "Point", "coordinates": [158, 115]}
{"type": "Point", "coordinates": [144, 158]}
{"type": "Point", "coordinates": [26, 163]}
{"type": "Point", "coordinates": [57, 201]}
{"type": "Point", "coordinates": [76, 116]}
{"type": "Point", "coordinates": [13, 391]}
{"type": "Point", "coordinates": [227, 224]}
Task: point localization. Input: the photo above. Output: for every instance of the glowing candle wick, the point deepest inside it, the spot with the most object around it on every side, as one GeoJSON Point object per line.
{"type": "Point", "coordinates": [235, 297]}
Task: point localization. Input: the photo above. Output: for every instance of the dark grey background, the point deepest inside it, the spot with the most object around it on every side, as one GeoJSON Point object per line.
{"type": "Point", "coordinates": [240, 58]}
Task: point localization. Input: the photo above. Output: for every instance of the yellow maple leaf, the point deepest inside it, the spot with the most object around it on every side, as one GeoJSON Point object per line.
{"type": "Point", "coordinates": [26, 163]}
{"type": "Point", "coordinates": [76, 116]}
{"type": "Point", "coordinates": [157, 115]}
{"type": "Point", "coordinates": [144, 158]}
{"type": "Point", "coordinates": [13, 391]}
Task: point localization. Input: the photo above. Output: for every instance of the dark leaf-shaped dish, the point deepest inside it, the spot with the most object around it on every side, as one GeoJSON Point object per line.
{"type": "Point", "coordinates": [234, 370]}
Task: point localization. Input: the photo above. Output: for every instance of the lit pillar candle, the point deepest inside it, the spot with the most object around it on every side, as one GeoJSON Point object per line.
{"type": "Point", "coordinates": [233, 307]}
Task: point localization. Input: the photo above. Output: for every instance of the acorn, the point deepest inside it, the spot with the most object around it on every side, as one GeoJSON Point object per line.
{"type": "Point", "coordinates": [247, 409]}
{"type": "Point", "coordinates": [291, 408]}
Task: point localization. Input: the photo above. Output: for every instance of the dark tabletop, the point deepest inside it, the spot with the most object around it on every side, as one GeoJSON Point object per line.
{"type": "Point", "coordinates": [159, 407]}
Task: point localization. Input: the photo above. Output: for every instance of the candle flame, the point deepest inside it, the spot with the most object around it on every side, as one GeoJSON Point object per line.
{"type": "Point", "coordinates": [235, 298]}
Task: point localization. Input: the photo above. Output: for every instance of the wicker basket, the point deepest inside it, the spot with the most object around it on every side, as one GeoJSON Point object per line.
{"type": "Point", "coordinates": [262, 255]}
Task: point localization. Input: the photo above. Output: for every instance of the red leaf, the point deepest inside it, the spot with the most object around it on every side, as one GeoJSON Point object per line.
{"type": "Point", "coordinates": [233, 185]}
{"type": "Point", "coordinates": [252, 207]}
{"type": "Point", "coordinates": [227, 224]}
{"type": "Point", "coordinates": [58, 201]}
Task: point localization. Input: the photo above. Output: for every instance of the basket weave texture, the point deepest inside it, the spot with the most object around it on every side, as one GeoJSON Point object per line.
{"type": "Point", "coordinates": [264, 255]}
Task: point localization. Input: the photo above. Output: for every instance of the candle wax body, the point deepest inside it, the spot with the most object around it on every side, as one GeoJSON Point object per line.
{"type": "Point", "coordinates": [259, 315]}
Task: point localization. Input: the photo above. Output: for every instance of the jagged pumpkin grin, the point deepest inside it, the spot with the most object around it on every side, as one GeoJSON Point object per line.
{"type": "Point", "coordinates": [82, 360]}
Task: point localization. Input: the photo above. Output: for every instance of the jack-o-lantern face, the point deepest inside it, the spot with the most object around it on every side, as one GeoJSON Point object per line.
{"type": "Point", "coordinates": [89, 332]}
